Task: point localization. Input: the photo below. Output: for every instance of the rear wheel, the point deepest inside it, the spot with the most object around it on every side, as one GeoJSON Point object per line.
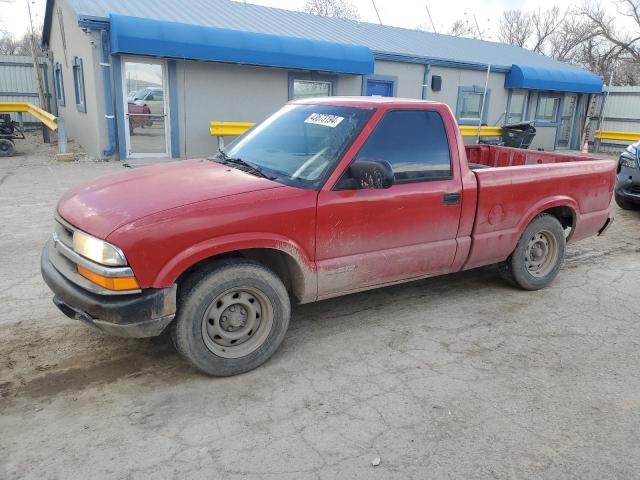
{"type": "Point", "coordinates": [231, 317]}
{"type": "Point", "coordinates": [537, 258]}
{"type": "Point", "coordinates": [625, 204]}
{"type": "Point", "coordinates": [7, 148]}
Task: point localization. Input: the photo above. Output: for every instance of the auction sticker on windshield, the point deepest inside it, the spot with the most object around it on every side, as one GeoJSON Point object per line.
{"type": "Point", "coordinates": [324, 119]}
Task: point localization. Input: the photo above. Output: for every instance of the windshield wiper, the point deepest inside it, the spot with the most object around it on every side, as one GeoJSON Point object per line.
{"type": "Point", "coordinates": [252, 167]}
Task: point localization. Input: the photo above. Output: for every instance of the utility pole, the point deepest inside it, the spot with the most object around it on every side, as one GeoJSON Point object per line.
{"type": "Point", "coordinates": [376, 9]}
{"type": "Point", "coordinates": [477, 26]}
{"type": "Point", "coordinates": [433, 26]}
{"type": "Point", "coordinates": [38, 70]}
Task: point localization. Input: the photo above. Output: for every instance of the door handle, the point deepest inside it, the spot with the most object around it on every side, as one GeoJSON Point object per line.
{"type": "Point", "coordinates": [452, 198]}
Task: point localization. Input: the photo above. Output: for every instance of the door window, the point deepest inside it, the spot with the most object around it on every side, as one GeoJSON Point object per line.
{"type": "Point", "coordinates": [414, 142]}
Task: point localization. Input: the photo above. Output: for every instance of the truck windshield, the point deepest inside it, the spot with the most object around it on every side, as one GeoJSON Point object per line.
{"type": "Point", "coordinates": [299, 144]}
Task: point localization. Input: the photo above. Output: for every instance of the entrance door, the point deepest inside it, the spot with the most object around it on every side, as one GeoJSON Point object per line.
{"type": "Point", "coordinates": [367, 237]}
{"type": "Point", "coordinates": [567, 118]}
{"type": "Point", "coordinates": [380, 88]}
{"type": "Point", "coordinates": [146, 127]}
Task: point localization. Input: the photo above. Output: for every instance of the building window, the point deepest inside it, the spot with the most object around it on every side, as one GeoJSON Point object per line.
{"type": "Point", "coordinates": [547, 110]}
{"type": "Point", "coordinates": [414, 142]}
{"type": "Point", "coordinates": [469, 106]}
{"type": "Point", "coordinates": [59, 84]}
{"type": "Point", "coordinates": [517, 106]}
{"type": "Point", "coordinates": [78, 85]}
{"type": "Point", "coordinates": [311, 85]}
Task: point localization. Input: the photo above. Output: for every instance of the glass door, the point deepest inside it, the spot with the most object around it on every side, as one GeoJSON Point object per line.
{"type": "Point", "coordinates": [566, 120]}
{"type": "Point", "coordinates": [145, 91]}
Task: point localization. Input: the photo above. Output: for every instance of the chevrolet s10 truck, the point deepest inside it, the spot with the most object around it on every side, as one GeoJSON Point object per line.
{"type": "Point", "coordinates": [324, 198]}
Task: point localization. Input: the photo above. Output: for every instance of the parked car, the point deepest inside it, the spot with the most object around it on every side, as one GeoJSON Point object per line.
{"type": "Point", "coordinates": [139, 116]}
{"type": "Point", "coordinates": [152, 97]}
{"type": "Point", "coordinates": [326, 197]}
{"type": "Point", "coordinates": [628, 178]}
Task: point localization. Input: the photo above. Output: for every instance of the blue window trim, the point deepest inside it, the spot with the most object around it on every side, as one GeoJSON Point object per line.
{"type": "Point", "coordinates": [545, 123]}
{"type": "Point", "coordinates": [485, 111]}
{"type": "Point", "coordinates": [78, 85]}
{"type": "Point", "coordinates": [116, 63]}
{"type": "Point", "coordinates": [174, 126]}
{"type": "Point", "coordinates": [59, 84]}
{"type": "Point", "coordinates": [312, 77]}
{"type": "Point", "coordinates": [525, 111]}
{"type": "Point", "coordinates": [392, 79]}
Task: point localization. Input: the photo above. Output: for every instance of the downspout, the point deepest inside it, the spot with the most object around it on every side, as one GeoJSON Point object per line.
{"type": "Point", "coordinates": [425, 81]}
{"type": "Point", "coordinates": [105, 63]}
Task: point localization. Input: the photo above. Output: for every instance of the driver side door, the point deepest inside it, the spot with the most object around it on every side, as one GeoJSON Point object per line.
{"type": "Point", "coordinates": [373, 237]}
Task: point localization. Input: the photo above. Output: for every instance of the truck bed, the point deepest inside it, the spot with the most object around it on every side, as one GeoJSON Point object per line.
{"type": "Point", "coordinates": [508, 198]}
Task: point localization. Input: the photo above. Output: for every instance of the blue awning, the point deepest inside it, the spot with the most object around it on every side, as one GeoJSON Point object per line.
{"type": "Point", "coordinates": [561, 80]}
{"type": "Point", "coordinates": [143, 36]}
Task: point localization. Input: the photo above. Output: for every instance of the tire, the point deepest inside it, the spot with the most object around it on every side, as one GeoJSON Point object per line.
{"type": "Point", "coordinates": [7, 148]}
{"type": "Point", "coordinates": [231, 318]}
{"type": "Point", "coordinates": [538, 256]}
{"type": "Point", "coordinates": [625, 204]}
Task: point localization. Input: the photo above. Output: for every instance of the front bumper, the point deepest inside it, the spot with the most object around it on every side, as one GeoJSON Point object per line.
{"type": "Point", "coordinates": [143, 314]}
{"type": "Point", "coordinates": [628, 184]}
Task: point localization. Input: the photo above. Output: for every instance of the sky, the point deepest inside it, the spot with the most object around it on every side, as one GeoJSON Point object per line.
{"type": "Point", "coordinates": [400, 13]}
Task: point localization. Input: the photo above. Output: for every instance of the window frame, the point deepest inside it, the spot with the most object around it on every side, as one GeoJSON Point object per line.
{"type": "Point", "coordinates": [555, 121]}
{"type": "Point", "coordinates": [390, 79]}
{"type": "Point", "coordinates": [312, 77]}
{"type": "Point", "coordinates": [59, 84]}
{"type": "Point", "coordinates": [525, 105]}
{"type": "Point", "coordinates": [343, 181]}
{"type": "Point", "coordinates": [485, 111]}
{"type": "Point", "coordinates": [78, 85]}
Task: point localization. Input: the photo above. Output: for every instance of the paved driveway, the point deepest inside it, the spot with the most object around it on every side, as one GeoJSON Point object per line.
{"type": "Point", "coordinates": [452, 377]}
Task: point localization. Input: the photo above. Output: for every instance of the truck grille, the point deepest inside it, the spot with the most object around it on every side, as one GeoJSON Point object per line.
{"type": "Point", "coordinates": [635, 189]}
{"type": "Point", "coordinates": [64, 231]}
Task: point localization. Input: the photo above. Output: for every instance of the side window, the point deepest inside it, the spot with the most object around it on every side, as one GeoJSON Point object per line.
{"type": "Point", "coordinates": [414, 142]}
{"type": "Point", "coordinates": [469, 108]}
{"type": "Point", "coordinates": [78, 85]}
{"type": "Point", "coordinates": [547, 111]}
{"type": "Point", "coordinates": [517, 106]}
{"type": "Point", "coordinates": [59, 84]}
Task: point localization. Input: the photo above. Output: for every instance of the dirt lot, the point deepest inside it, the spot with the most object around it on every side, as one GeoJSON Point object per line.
{"type": "Point", "coordinates": [452, 377]}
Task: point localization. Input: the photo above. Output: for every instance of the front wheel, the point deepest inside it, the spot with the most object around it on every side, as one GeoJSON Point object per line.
{"type": "Point", "coordinates": [7, 148]}
{"type": "Point", "coordinates": [231, 317]}
{"type": "Point", "coordinates": [537, 258]}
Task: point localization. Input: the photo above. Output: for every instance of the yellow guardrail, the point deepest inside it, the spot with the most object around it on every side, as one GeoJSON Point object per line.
{"type": "Point", "coordinates": [621, 136]}
{"type": "Point", "coordinates": [229, 129]}
{"type": "Point", "coordinates": [25, 107]}
{"type": "Point", "coordinates": [470, 131]}
{"type": "Point", "coordinates": [233, 129]}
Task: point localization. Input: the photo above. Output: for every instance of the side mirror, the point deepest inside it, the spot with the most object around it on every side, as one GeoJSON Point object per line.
{"type": "Point", "coordinates": [372, 173]}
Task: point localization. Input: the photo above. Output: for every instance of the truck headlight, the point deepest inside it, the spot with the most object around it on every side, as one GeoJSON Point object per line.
{"type": "Point", "coordinates": [97, 250]}
{"type": "Point", "coordinates": [628, 161]}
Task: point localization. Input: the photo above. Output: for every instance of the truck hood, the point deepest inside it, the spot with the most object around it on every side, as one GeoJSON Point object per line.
{"type": "Point", "coordinates": [102, 205]}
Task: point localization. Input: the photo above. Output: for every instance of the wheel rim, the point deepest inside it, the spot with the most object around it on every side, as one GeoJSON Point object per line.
{"type": "Point", "coordinates": [237, 322]}
{"type": "Point", "coordinates": [541, 254]}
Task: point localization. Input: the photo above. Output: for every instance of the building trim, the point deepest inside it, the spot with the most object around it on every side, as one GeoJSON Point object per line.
{"type": "Point", "coordinates": [438, 62]}
{"type": "Point", "coordinates": [116, 63]}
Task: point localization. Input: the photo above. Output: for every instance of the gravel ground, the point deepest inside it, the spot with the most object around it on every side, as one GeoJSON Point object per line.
{"type": "Point", "coordinates": [452, 377]}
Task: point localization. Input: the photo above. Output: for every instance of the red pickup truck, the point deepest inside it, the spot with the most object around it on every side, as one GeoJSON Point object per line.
{"type": "Point", "coordinates": [324, 198]}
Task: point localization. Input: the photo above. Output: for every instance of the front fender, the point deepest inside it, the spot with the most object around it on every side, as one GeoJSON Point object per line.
{"type": "Point", "coordinates": [233, 243]}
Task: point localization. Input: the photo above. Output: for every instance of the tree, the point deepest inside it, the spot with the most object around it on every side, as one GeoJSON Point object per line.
{"type": "Point", "coordinates": [462, 28]}
{"type": "Point", "coordinates": [332, 8]}
{"type": "Point", "coordinates": [514, 28]}
{"type": "Point", "coordinates": [627, 43]}
{"type": "Point", "coordinates": [9, 45]}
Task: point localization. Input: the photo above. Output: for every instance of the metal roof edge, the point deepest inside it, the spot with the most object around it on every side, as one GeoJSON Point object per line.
{"type": "Point", "coordinates": [439, 62]}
